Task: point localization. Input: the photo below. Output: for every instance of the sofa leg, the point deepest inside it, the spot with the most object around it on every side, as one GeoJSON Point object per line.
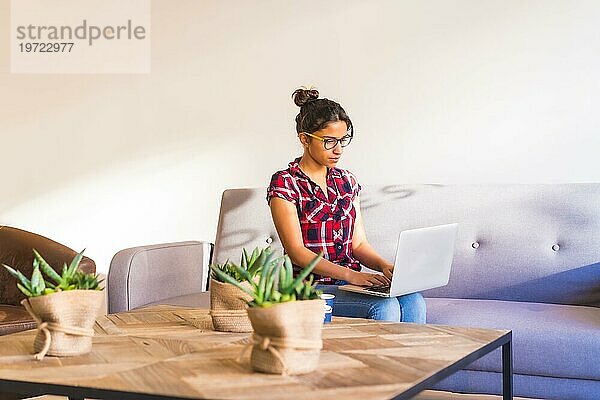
{"type": "Point", "coordinates": [507, 376]}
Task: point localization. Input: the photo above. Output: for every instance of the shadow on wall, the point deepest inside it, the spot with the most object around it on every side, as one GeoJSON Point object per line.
{"type": "Point", "coordinates": [82, 124]}
{"type": "Point", "coordinates": [84, 183]}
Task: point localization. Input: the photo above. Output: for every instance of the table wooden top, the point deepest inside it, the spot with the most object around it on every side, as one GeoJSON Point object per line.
{"type": "Point", "coordinates": [173, 351]}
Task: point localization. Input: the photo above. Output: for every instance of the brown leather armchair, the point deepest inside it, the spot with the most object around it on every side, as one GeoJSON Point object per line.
{"type": "Point", "coordinates": [16, 250]}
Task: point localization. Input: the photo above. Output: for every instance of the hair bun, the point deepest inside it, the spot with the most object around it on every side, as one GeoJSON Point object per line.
{"type": "Point", "coordinates": [304, 96]}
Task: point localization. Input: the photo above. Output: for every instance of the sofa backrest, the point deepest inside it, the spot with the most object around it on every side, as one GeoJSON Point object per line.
{"type": "Point", "coordinates": [16, 251]}
{"type": "Point", "coordinates": [528, 242]}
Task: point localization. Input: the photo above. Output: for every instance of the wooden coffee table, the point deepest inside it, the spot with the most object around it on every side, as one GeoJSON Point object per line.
{"type": "Point", "coordinates": [170, 352]}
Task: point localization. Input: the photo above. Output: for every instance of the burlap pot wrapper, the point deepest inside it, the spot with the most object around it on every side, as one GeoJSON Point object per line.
{"type": "Point", "coordinates": [65, 321]}
{"type": "Point", "coordinates": [228, 307]}
{"type": "Point", "coordinates": [287, 337]}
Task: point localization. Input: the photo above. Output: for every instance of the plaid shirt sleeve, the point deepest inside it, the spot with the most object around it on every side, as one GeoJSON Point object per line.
{"type": "Point", "coordinates": [281, 186]}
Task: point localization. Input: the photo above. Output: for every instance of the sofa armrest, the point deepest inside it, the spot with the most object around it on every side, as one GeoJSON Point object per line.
{"type": "Point", "coordinates": [148, 274]}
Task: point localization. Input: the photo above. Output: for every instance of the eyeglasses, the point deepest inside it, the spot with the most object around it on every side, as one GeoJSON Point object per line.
{"type": "Point", "coordinates": [329, 142]}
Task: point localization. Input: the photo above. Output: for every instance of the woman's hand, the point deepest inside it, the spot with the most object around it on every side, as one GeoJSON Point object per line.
{"type": "Point", "coordinates": [388, 270]}
{"type": "Point", "coordinates": [366, 279]}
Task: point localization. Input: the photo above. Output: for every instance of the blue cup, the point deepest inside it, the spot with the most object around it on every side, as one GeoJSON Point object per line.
{"type": "Point", "coordinates": [328, 307]}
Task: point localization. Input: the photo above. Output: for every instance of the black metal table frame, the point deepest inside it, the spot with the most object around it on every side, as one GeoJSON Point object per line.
{"type": "Point", "coordinates": [79, 393]}
{"type": "Point", "coordinates": [507, 371]}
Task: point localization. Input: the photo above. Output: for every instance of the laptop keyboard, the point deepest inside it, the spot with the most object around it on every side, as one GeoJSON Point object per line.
{"type": "Point", "coordinates": [378, 288]}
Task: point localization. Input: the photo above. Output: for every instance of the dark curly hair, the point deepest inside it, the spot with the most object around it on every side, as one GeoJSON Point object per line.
{"type": "Point", "coordinates": [316, 113]}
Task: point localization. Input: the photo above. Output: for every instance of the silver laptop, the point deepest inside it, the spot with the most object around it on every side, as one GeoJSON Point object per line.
{"type": "Point", "coordinates": [423, 261]}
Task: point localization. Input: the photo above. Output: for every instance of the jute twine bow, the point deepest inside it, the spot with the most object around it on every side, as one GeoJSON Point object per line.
{"type": "Point", "coordinates": [271, 344]}
{"type": "Point", "coordinates": [46, 327]}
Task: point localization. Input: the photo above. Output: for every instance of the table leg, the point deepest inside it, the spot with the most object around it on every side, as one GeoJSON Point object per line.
{"type": "Point", "coordinates": [507, 373]}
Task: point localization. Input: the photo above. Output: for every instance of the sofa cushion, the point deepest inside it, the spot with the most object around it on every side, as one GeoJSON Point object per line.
{"type": "Point", "coordinates": [529, 386]}
{"type": "Point", "coordinates": [548, 339]}
{"type": "Point", "coordinates": [14, 319]}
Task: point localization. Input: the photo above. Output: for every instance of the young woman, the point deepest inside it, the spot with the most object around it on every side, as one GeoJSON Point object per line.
{"type": "Point", "coordinates": [315, 207]}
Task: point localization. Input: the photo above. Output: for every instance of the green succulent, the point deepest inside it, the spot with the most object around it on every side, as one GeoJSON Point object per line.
{"type": "Point", "coordinates": [71, 277]}
{"type": "Point", "coordinates": [252, 264]}
{"type": "Point", "coordinates": [85, 281]}
{"type": "Point", "coordinates": [265, 293]}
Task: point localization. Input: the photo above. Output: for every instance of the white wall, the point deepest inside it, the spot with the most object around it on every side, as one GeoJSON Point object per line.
{"type": "Point", "coordinates": [440, 92]}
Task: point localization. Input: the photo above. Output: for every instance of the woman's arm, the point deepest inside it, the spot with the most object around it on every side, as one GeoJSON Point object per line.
{"type": "Point", "coordinates": [287, 224]}
{"type": "Point", "coordinates": [362, 249]}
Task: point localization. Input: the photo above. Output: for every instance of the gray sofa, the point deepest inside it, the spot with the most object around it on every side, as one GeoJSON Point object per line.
{"type": "Point", "coordinates": [527, 259]}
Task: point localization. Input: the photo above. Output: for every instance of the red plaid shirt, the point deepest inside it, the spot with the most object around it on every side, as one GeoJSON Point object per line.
{"type": "Point", "coordinates": [326, 220]}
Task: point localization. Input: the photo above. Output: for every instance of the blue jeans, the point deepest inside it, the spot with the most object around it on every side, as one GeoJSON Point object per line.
{"type": "Point", "coordinates": [407, 308]}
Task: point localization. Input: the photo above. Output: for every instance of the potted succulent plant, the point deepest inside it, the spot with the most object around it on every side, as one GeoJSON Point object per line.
{"type": "Point", "coordinates": [228, 303]}
{"type": "Point", "coordinates": [64, 306]}
{"type": "Point", "coordinates": [287, 316]}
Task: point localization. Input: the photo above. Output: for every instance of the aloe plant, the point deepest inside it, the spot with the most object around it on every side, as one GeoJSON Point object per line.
{"type": "Point", "coordinates": [251, 264]}
{"type": "Point", "coordinates": [70, 279]}
{"type": "Point", "coordinates": [265, 293]}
